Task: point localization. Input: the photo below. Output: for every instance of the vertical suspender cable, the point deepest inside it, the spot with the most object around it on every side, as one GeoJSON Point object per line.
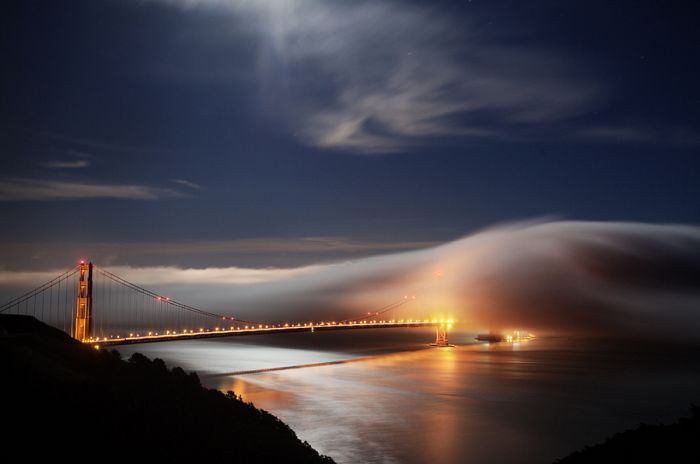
{"type": "Point", "coordinates": [65, 306]}
{"type": "Point", "coordinates": [51, 305]}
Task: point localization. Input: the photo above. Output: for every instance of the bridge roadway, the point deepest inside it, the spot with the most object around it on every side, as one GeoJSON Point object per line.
{"type": "Point", "coordinates": [208, 333]}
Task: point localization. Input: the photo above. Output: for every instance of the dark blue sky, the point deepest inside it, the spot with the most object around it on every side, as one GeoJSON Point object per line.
{"type": "Point", "coordinates": [371, 126]}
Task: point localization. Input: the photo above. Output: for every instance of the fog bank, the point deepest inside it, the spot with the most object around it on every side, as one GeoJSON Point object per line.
{"type": "Point", "coordinates": [603, 278]}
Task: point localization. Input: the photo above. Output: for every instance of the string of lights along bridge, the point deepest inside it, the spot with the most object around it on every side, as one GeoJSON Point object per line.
{"type": "Point", "coordinates": [100, 308]}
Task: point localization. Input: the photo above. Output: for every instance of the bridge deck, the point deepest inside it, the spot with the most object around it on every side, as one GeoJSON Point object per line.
{"type": "Point", "coordinates": [190, 335]}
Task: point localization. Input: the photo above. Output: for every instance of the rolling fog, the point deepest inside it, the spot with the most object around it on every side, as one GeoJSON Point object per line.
{"type": "Point", "coordinates": [601, 278]}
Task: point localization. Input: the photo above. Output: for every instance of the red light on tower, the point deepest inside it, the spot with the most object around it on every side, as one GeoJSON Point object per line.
{"type": "Point", "coordinates": [82, 261]}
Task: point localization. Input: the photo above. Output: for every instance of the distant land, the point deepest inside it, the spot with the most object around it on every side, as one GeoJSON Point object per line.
{"type": "Point", "coordinates": [65, 399]}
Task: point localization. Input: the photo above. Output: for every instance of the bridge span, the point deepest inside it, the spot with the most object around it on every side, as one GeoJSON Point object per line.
{"type": "Point", "coordinates": [102, 309]}
{"type": "Point", "coordinates": [274, 329]}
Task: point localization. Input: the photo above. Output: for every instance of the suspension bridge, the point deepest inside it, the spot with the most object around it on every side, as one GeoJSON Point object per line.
{"type": "Point", "coordinates": [100, 308]}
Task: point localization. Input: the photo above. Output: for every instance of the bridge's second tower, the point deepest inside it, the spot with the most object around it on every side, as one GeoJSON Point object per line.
{"type": "Point", "coordinates": [441, 335]}
{"type": "Point", "coordinates": [83, 312]}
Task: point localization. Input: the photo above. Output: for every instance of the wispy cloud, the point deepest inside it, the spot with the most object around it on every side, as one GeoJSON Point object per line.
{"type": "Point", "coordinates": [186, 183]}
{"type": "Point", "coordinates": [81, 154]}
{"type": "Point", "coordinates": [91, 144]}
{"type": "Point", "coordinates": [263, 252]}
{"type": "Point", "coordinates": [68, 164]}
{"type": "Point", "coordinates": [382, 76]}
{"type": "Point", "coordinates": [428, 93]}
{"type": "Point", "coordinates": [167, 275]}
{"type": "Point", "coordinates": [678, 135]}
{"type": "Point", "coordinates": [78, 159]}
{"type": "Point", "coordinates": [23, 189]}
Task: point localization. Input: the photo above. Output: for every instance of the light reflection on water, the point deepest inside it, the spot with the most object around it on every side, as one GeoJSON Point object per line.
{"type": "Point", "coordinates": [474, 403]}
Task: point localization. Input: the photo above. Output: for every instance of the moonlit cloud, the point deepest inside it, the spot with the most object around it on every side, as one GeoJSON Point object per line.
{"type": "Point", "coordinates": [69, 164]}
{"type": "Point", "coordinates": [674, 135]}
{"type": "Point", "coordinates": [186, 183]}
{"type": "Point", "coordinates": [23, 189]}
{"type": "Point", "coordinates": [384, 76]}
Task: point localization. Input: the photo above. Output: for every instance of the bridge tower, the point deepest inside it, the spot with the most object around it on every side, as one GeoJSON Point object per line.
{"type": "Point", "coordinates": [441, 336]}
{"type": "Point", "coordinates": [83, 313]}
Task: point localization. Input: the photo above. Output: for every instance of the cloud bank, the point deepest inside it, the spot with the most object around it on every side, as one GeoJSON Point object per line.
{"type": "Point", "coordinates": [593, 278]}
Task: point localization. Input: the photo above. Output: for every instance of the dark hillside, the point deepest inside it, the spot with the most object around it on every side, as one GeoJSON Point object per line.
{"type": "Point", "coordinates": [69, 400]}
{"type": "Point", "coordinates": [678, 442]}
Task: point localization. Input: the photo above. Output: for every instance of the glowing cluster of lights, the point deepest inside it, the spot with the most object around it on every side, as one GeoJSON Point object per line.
{"type": "Point", "coordinates": [519, 336]}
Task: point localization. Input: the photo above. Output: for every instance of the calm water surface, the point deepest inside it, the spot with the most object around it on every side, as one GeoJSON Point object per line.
{"type": "Point", "coordinates": [392, 400]}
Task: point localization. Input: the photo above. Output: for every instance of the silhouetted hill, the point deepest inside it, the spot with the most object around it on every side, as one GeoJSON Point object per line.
{"type": "Point", "coordinates": [62, 398]}
{"type": "Point", "coordinates": [679, 442]}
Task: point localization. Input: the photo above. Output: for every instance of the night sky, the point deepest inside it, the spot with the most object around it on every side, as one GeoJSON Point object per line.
{"type": "Point", "coordinates": [281, 133]}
